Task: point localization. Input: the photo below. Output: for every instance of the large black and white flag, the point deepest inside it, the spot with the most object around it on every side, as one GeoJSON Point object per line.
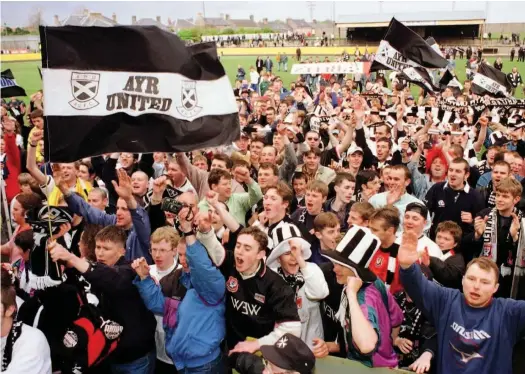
{"type": "Point", "coordinates": [132, 89]}
{"type": "Point", "coordinates": [402, 48]}
{"type": "Point", "coordinates": [405, 51]}
{"type": "Point", "coordinates": [9, 87]}
{"type": "Point", "coordinates": [490, 81]}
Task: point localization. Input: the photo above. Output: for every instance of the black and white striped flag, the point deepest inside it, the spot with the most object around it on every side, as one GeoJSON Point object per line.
{"type": "Point", "coordinates": [132, 89]}
{"type": "Point", "coordinates": [449, 80]}
{"type": "Point", "coordinates": [490, 81]}
{"type": "Point", "coordinates": [9, 87]}
{"type": "Point", "coordinates": [405, 51]}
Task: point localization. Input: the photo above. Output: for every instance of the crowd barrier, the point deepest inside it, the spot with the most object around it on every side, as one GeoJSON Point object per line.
{"type": "Point", "coordinates": [336, 365]}
{"type": "Point", "coordinates": [290, 51]}
{"type": "Point", "coordinates": [14, 57]}
{"type": "Point", "coordinates": [233, 51]}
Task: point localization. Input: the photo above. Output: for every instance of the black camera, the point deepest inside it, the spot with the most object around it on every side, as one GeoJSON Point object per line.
{"type": "Point", "coordinates": [171, 205]}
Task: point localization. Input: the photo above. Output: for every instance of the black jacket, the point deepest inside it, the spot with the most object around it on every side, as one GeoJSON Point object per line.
{"type": "Point", "coordinates": [255, 305]}
{"type": "Point", "coordinates": [120, 301]}
{"type": "Point", "coordinates": [329, 306]}
{"type": "Point", "coordinates": [449, 272]}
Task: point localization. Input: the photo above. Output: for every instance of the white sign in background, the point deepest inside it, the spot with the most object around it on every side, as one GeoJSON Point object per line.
{"type": "Point", "coordinates": [328, 68]}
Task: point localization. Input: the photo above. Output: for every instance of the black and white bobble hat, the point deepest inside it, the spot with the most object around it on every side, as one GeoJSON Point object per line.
{"type": "Point", "coordinates": [281, 236]}
{"type": "Point", "coordinates": [355, 252]}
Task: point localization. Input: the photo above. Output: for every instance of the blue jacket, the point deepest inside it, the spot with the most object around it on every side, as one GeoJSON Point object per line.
{"type": "Point", "coordinates": [200, 325]}
{"type": "Point", "coordinates": [137, 244]}
{"type": "Point", "coordinates": [485, 179]}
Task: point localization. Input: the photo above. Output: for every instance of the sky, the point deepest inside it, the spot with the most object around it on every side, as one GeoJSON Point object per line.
{"type": "Point", "coordinates": [17, 13]}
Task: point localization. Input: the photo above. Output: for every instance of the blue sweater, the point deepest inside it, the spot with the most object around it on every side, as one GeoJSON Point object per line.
{"type": "Point", "coordinates": [137, 244]}
{"type": "Point", "coordinates": [200, 328]}
{"type": "Point", "coordinates": [470, 340]}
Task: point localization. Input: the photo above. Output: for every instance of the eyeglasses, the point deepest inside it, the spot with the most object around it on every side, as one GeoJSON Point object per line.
{"type": "Point", "coordinates": [312, 139]}
{"type": "Point", "coordinates": [161, 250]}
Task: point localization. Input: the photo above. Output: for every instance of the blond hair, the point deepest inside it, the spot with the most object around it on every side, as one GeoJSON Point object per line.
{"type": "Point", "coordinates": [510, 185]}
{"type": "Point", "coordinates": [166, 233]}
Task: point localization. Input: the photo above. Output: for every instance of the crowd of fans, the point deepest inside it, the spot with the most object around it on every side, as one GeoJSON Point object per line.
{"type": "Point", "coordinates": [326, 229]}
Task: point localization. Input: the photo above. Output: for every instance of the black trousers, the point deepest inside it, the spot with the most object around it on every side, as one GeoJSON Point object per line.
{"type": "Point", "coordinates": [164, 368]}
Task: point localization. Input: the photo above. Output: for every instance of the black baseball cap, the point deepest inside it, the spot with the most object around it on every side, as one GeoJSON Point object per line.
{"type": "Point", "coordinates": [418, 208]}
{"type": "Point", "coordinates": [290, 353]}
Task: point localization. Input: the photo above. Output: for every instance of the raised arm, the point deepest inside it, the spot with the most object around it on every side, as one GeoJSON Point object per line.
{"type": "Point", "coordinates": [434, 300]}
{"type": "Point", "coordinates": [365, 324]}
{"type": "Point", "coordinates": [229, 221]}
{"type": "Point", "coordinates": [482, 134]}
{"type": "Point", "coordinates": [31, 158]}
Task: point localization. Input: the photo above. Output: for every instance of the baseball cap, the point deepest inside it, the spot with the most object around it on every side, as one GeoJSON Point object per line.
{"type": "Point", "coordinates": [353, 149]}
{"type": "Point", "coordinates": [290, 353]}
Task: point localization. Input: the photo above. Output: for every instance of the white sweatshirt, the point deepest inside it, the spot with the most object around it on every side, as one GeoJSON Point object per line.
{"type": "Point", "coordinates": [31, 353]}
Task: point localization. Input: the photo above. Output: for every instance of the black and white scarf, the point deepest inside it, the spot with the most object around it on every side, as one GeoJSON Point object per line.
{"type": "Point", "coordinates": [490, 235]}
{"type": "Point", "coordinates": [483, 167]}
{"type": "Point", "coordinates": [296, 281]}
{"type": "Point", "coordinates": [491, 199]}
{"type": "Point", "coordinates": [14, 334]}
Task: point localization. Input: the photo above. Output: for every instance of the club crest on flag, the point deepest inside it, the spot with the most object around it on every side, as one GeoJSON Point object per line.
{"type": "Point", "coordinates": [189, 99]}
{"type": "Point", "coordinates": [84, 88]}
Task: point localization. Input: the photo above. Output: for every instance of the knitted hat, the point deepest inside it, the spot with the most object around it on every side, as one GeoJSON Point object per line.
{"type": "Point", "coordinates": [355, 252]}
{"type": "Point", "coordinates": [281, 237]}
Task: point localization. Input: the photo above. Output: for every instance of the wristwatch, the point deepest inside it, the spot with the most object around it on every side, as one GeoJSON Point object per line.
{"type": "Point", "coordinates": [189, 233]}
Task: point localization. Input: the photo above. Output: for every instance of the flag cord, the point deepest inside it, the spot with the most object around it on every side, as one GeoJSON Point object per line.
{"type": "Point", "coordinates": [46, 127]}
{"type": "Point", "coordinates": [49, 219]}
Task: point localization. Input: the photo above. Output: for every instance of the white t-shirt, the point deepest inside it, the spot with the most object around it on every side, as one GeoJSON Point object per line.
{"type": "Point", "coordinates": [254, 77]}
{"type": "Point", "coordinates": [31, 353]}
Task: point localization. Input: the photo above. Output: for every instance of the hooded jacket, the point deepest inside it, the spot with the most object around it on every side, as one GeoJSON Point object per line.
{"type": "Point", "coordinates": [194, 322]}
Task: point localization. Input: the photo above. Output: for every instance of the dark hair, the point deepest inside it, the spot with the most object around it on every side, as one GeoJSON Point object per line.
{"type": "Point", "coordinates": [25, 240]}
{"type": "Point", "coordinates": [299, 175]}
{"type": "Point", "coordinates": [389, 215]}
{"type": "Point", "coordinates": [88, 165]}
{"type": "Point", "coordinates": [270, 166]}
{"type": "Point", "coordinates": [404, 168]}
{"type": "Point", "coordinates": [88, 237]}
{"type": "Point", "coordinates": [363, 177]}
{"type": "Point", "coordinates": [224, 158]}
{"type": "Point", "coordinates": [112, 234]}
{"type": "Point", "coordinates": [216, 175]}
{"type": "Point", "coordinates": [501, 163]}
{"type": "Point", "coordinates": [315, 151]}
{"type": "Point", "coordinates": [8, 290]}
{"type": "Point", "coordinates": [451, 227]}
{"type": "Point", "coordinates": [284, 191]}
{"type": "Point", "coordinates": [385, 140]}
{"type": "Point", "coordinates": [259, 236]}
{"type": "Point", "coordinates": [459, 160]}
{"type": "Point", "coordinates": [29, 200]}
{"type": "Point", "coordinates": [340, 177]}
{"type": "Point", "coordinates": [37, 113]}
{"type": "Point", "coordinates": [241, 162]}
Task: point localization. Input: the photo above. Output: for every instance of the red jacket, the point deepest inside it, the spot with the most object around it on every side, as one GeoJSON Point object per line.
{"type": "Point", "coordinates": [13, 164]}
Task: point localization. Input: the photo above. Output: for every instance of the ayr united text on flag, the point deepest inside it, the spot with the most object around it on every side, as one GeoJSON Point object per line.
{"type": "Point", "coordinates": [490, 81]}
{"type": "Point", "coordinates": [405, 51]}
{"type": "Point", "coordinates": [132, 89]}
{"type": "Point", "coordinates": [9, 87]}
